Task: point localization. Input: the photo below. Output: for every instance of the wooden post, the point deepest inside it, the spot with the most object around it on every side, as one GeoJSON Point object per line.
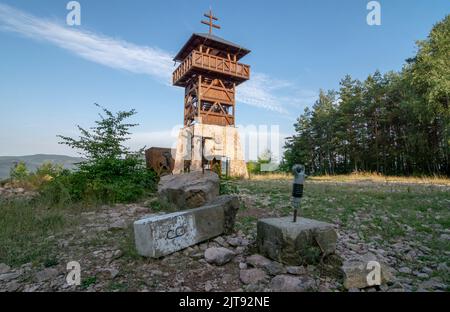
{"type": "Point", "coordinates": [199, 97]}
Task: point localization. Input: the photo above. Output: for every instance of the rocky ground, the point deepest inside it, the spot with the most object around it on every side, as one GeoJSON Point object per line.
{"type": "Point", "coordinates": [413, 242]}
{"type": "Point", "coordinates": [8, 191]}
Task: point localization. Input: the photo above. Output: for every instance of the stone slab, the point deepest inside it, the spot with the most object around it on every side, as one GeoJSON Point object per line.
{"type": "Point", "coordinates": [161, 235]}
{"type": "Point", "coordinates": [306, 241]}
{"type": "Point", "coordinates": [189, 190]}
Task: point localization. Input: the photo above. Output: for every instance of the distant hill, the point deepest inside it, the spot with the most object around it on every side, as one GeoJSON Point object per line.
{"type": "Point", "coordinates": [34, 161]}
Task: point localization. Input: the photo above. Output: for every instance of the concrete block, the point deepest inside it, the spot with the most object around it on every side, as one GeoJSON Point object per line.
{"type": "Point", "coordinates": [305, 242]}
{"type": "Point", "coordinates": [161, 235]}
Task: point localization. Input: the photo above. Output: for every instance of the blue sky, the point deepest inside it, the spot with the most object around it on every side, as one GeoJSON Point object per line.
{"type": "Point", "coordinates": [120, 57]}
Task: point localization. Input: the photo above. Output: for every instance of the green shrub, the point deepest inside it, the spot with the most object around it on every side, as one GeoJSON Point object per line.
{"type": "Point", "coordinates": [19, 172]}
{"type": "Point", "coordinates": [110, 174]}
{"type": "Point", "coordinates": [253, 167]}
{"type": "Point", "coordinates": [228, 186]}
{"type": "Point", "coordinates": [49, 169]}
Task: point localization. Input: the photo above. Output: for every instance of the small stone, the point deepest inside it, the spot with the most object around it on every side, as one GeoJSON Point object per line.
{"type": "Point", "coordinates": [4, 268]}
{"type": "Point", "coordinates": [258, 261]}
{"type": "Point", "coordinates": [113, 273]}
{"type": "Point", "coordinates": [240, 250]}
{"type": "Point", "coordinates": [442, 267]}
{"type": "Point", "coordinates": [234, 241]}
{"type": "Point", "coordinates": [156, 273]}
{"type": "Point", "coordinates": [208, 286]}
{"type": "Point", "coordinates": [405, 270]}
{"type": "Point", "coordinates": [227, 278]}
{"type": "Point", "coordinates": [243, 266]}
{"type": "Point", "coordinates": [254, 288]}
{"type": "Point", "coordinates": [218, 256]}
{"type": "Point", "coordinates": [197, 255]}
{"type": "Point", "coordinates": [433, 284]}
{"type": "Point", "coordinates": [13, 286]}
{"type": "Point", "coordinates": [296, 270]}
{"type": "Point", "coordinates": [31, 288]}
{"type": "Point", "coordinates": [421, 275]}
{"type": "Point", "coordinates": [46, 275]}
{"type": "Point", "coordinates": [252, 276]}
{"type": "Point", "coordinates": [275, 268]}
{"type": "Point", "coordinates": [6, 277]}
{"type": "Point", "coordinates": [118, 225]}
{"type": "Point", "coordinates": [117, 254]}
{"type": "Point", "coordinates": [219, 240]}
{"type": "Point", "coordinates": [356, 272]}
{"type": "Point", "coordinates": [288, 283]}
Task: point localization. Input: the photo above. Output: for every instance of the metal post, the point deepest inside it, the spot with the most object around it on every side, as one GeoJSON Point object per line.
{"type": "Point", "coordinates": [297, 188]}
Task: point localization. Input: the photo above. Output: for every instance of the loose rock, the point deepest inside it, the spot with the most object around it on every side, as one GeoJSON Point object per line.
{"type": "Point", "coordinates": [46, 274]}
{"type": "Point", "coordinates": [218, 256]}
{"type": "Point", "coordinates": [189, 190]}
{"type": "Point", "coordinates": [252, 276]}
{"type": "Point", "coordinates": [288, 283]}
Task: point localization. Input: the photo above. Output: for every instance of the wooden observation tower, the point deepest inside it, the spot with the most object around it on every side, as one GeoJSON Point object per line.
{"type": "Point", "coordinates": [210, 71]}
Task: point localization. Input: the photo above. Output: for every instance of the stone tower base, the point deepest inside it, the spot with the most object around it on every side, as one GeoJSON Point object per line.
{"type": "Point", "coordinates": [216, 143]}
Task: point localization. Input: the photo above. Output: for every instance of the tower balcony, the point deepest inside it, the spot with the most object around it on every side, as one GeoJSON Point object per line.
{"type": "Point", "coordinates": [203, 63]}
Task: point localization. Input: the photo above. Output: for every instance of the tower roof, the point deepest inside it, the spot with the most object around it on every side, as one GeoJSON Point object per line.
{"type": "Point", "coordinates": [210, 41]}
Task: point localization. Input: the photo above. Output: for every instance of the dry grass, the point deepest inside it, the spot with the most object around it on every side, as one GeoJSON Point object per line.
{"type": "Point", "coordinates": [360, 177]}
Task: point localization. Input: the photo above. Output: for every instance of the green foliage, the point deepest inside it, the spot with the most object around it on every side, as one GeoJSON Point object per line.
{"type": "Point", "coordinates": [25, 227]}
{"type": "Point", "coordinates": [49, 169]}
{"type": "Point", "coordinates": [111, 173]}
{"type": "Point", "coordinates": [395, 124]}
{"type": "Point", "coordinates": [19, 172]}
{"type": "Point", "coordinates": [88, 281]}
{"type": "Point", "coordinates": [228, 186]}
{"type": "Point", "coordinates": [253, 167]}
{"type": "Point", "coordinates": [20, 176]}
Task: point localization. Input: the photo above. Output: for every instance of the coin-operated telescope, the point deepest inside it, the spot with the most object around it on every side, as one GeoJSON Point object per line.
{"type": "Point", "coordinates": [297, 188]}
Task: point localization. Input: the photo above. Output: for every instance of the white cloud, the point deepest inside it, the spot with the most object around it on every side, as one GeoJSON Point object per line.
{"type": "Point", "coordinates": [261, 91]}
{"type": "Point", "coordinates": [97, 48]}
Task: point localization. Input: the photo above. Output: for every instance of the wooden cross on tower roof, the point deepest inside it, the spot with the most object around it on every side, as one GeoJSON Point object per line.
{"type": "Point", "coordinates": [211, 23]}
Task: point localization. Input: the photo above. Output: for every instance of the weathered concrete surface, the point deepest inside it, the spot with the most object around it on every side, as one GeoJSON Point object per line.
{"type": "Point", "coordinates": [189, 190]}
{"type": "Point", "coordinates": [221, 142]}
{"type": "Point", "coordinates": [361, 272]}
{"type": "Point", "coordinates": [305, 242]}
{"type": "Point", "coordinates": [164, 234]}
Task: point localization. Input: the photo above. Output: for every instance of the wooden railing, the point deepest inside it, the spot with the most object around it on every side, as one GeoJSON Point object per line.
{"type": "Point", "coordinates": [213, 63]}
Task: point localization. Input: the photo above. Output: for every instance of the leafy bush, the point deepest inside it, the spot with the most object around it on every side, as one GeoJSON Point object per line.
{"type": "Point", "coordinates": [228, 186]}
{"type": "Point", "coordinates": [111, 173]}
{"type": "Point", "coordinates": [19, 172]}
{"type": "Point", "coordinates": [253, 167]}
{"type": "Point", "coordinates": [20, 176]}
